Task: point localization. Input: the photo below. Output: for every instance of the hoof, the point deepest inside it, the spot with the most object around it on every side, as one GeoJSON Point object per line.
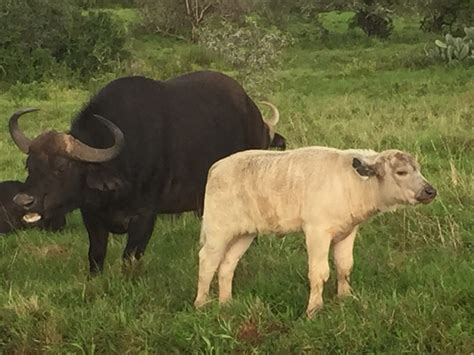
{"type": "Point", "coordinates": [310, 313]}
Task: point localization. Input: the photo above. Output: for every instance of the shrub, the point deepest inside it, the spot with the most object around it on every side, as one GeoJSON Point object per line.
{"type": "Point", "coordinates": [374, 18]}
{"type": "Point", "coordinates": [251, 49]}
{"type": "Point", "coordinates": [32, 34]}
{"type": "Point", "coordinates": [96, 45]}
{"type": "Point", "coordinates": [41, 37]}
{"type": "Point", "coordinates": [183, 18]}
{"type": "Point", "coordinates": [88, 4]}
{"type": "Point", "coordinates": [446, 15]}
{"type": "Point", "coordinates": [164, 16]}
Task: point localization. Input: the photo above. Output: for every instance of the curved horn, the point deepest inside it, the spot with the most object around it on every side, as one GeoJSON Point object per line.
{"type": "Point", "coordinates": [81, 151]}
{"type": "Point", "coordinates": [275, 116]}
{"type": "Point", "coordinates": [22, 141]}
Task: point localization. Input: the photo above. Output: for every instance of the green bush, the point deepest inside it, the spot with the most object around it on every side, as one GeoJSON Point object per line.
{"type": "Point", "coordinates": [373, 17]}
{"type": "Point", "coordinates": [97, 44]}
{"type": "Point", "coordinates": [89, 4]}
{"type": "Point", "coordinates": [40, 38]}
{"type": "Point", "coordinates": [446, 15]}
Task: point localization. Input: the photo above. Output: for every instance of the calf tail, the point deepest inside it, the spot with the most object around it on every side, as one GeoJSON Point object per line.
{"type": "Point", "coordinates": [202, 238]}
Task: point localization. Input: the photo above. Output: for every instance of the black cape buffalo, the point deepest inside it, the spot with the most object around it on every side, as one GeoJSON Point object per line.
{"type": "Point", "coordinates": [138, 148]}
{"type": "Point", "coordinates": [13, 217]}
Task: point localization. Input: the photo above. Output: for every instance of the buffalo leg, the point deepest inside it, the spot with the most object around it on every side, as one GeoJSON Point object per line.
{"type": "Point", "coordinates": [318, 242]}
{"type": "Point", "coordinates": [342, 252]}
{"type": "Point", "coordinates": [98, 238]}
{"type": "Point", "coordinates": [139, 233]}
{"type": "Point", "coordinates": [227, 267]}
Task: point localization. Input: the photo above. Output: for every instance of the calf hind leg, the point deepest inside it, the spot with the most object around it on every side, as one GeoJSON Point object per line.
{"type": "Point", "coordinates": [227, 267]}
{"type": "Point", "coordinates": [210, 257]}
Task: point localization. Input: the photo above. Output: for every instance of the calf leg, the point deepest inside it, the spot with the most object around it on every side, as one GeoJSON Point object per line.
{"type": "Point", "coordinates": [139, 233]}
{"type": "Point", "coordinates": [343, 259]}
{"type": "Point", "coordinates": [229, 263]}
{"type": "Point", "coordinates": [98, 238]}
{"type": "Point", "coordinates": [210, 257]}
{"type": "Point", "coordinates": [318, 242]}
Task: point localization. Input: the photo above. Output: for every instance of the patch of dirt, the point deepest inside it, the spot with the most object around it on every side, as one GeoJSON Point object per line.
{"type": "Point", "coordinates": [44, 251]}
{"type": "Point", "coordinates": [249, 333]}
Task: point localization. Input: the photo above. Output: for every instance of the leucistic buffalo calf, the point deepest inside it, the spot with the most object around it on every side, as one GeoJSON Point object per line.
{"type": "Point", "coordinates": [12, 217]}
{"type": "Point", "coordinates": [324, 192]}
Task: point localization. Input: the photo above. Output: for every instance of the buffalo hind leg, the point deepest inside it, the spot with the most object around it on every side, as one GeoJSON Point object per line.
{"type": "Point", "coordinates": [139, 233]}
{"type": "Point", "coordinates": [318, 242]}
{"type": "Point", "coordinates": [98, 238]}
{"type": "Point", "coordinates": [343, 259]}
{"type": "Point", "coordinates": [227, 266]}
{"type": "Point", "coordinates": [210, 257]}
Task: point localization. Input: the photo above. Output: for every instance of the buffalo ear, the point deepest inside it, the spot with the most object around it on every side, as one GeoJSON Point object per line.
{"type": "Point", "coordinates": [103, 181]}
{"type": "Point", "coordinates": [278, 142]}
{"type": "Point", "coordinates": [366, 169]}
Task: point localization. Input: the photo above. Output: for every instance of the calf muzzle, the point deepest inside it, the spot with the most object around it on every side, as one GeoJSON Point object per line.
{"type": "Point", "coordinates": [427, 194]}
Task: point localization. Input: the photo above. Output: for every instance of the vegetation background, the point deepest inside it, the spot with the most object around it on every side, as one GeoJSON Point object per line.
{"type": "Point", "coordinates": [366, 74]}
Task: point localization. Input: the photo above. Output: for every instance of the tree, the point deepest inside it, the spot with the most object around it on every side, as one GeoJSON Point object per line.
{"type": "Point", "coordinates": [183, 18]}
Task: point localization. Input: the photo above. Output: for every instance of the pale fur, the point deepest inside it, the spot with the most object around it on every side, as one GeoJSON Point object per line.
{"type": "Point", "coordinates": [313, 189]}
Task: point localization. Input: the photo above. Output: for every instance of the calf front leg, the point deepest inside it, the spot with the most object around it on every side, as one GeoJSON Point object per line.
{"type": "Point", "coordinates": [343, 259]}
{"type": "Point", "coordinates": [318, 242]}
{"type": "Point", "coordinates": [98, 238]}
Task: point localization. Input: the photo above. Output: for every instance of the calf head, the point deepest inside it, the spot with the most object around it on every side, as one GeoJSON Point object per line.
{"type": "Point", "coordinates": [399, 177]}
{"type": "Point", "coordinates": [58, 165]}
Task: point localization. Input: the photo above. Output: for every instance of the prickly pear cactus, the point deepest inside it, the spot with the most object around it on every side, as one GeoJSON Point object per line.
{"type": "Point", "coordinates": [454, 49]}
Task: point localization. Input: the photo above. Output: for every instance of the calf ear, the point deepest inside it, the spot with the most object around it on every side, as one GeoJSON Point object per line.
{"type": "Point", "coordinates": [366, 169]}
{"type": "Point", "coordinates": [103, 180]}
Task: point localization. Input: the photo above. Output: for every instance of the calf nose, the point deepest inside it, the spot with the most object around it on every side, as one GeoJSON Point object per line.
{"type": "Point", "coordinates": [430, 191]}
{"type": "Point", "coordinates": [24, 200]}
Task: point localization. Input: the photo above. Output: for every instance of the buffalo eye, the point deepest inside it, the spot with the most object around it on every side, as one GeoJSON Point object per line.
{"type": "Point", "coordinates": [402, 173]}
{"type": "Point", "coordinates": [60, 166]}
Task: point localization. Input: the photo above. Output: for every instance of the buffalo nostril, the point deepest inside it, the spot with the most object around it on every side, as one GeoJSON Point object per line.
{"type": "Point", "coordinates": [24, 200]}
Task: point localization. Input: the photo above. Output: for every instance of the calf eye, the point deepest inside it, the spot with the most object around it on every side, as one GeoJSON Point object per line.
{"type": "Point", "coordinates": [402, 173]}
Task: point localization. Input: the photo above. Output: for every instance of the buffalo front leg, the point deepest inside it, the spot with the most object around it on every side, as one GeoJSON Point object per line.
{"type": "Point", "coordinates": [343, 259]}
{"type": "Point", "coordinates": [98, 238]}
{"type": "Point", "coordinates": [210, 257]}
{"type": "Point", "coordinates": [318, 242]}
{"type": "Point", "coordinates": [139, 233]}
{"type": "Point", "coordinates": [227, 266]}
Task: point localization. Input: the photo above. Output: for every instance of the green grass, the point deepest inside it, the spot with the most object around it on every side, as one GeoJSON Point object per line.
{"type": "Point", "coordinates": [414, 269]}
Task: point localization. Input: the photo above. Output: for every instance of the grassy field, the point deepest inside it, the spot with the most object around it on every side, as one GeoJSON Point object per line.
{"type": "Point", "coordinates": [414, 269]}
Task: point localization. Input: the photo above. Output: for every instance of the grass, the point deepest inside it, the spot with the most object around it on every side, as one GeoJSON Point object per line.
{"type": "Point", "coordinates": [414, 271]}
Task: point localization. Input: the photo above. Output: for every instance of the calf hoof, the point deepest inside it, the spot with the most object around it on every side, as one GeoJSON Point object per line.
{"type": "Point", "coordinates": [225, 300]}
{"type": "Point", "coordinates": [310, 312]}
{"type": "Point", "coordinates": [199, 303]}
{"type": "Point", "coordinates": [344, 291]}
